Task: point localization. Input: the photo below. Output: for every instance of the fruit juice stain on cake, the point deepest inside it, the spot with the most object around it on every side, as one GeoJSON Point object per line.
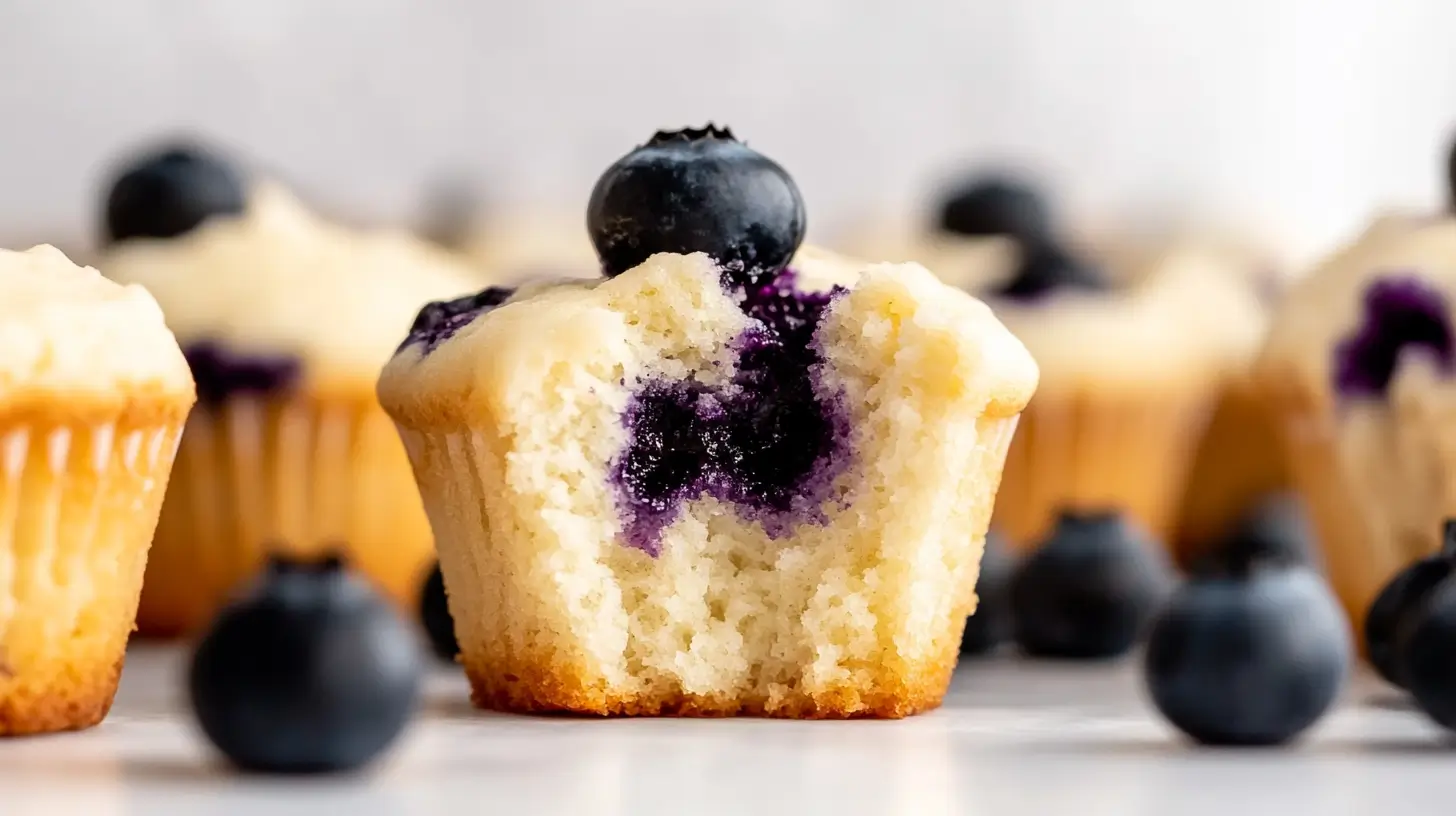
{"type": "Point", "coordinates": [770, 441]}
{"type": "Point", "coordinates": [221, 373]}
{"type": "Point", "coordinates": [438, 321]}
{"type": "Point", "coordinates": [1400, 314]}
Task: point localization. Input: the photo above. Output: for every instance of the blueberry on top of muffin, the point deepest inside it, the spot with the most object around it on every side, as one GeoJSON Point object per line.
{"type": "Point", "coordinates": [169, 191]}
{"type": "Point", "coordinates": [697, 190]}
{"type": "Point", "coordinates": [996, 205]}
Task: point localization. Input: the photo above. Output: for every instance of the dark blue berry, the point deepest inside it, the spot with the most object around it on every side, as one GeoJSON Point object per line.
{"type": "Point", "coordinates": [1089, 590]}
{"type": "Point", "coordinates": [169, 192]}
{"type": "Point", "coordinates": [697, 191]}
{"type": "Point", "coordinates": [996, 205]}
{"type": "Point", "coordinates": [990, 626]}
{"type": "Point", "coordinates": [221, 373]}
{"type": "Point", "coordinates": [1276, 530]}
{"type": "Point", "coordinates": [1392, 616]}
{"type": "Point", "coordinates": [1429, 656]}
{"type": "Point", "coordinates": [1250, 657]}
{"type": "Point", "coordinates": [309, 671]}
{"type": "Point", "coordinates": [438, 320]}
{"type": "Point", "coordinates": [1045, 268]}
{"type": "Point", "coordinates": [435, 614]}
{"type": "Point", "coordinates": [1400, 313]}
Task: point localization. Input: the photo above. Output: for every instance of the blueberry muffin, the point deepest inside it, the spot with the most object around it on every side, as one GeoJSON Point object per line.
{"type": "Point", "coordinates": [1358, 367]}
{"type": "Point", "coordinates": [1131, 365]}
{"type": "Point", "coordinates": [93, 395]}
{"type": "Point", "coordinates": [709, 484]}
{"type": "Point", "coordinates": [285, 320]}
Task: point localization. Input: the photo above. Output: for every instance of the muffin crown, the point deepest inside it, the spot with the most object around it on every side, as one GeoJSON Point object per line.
{"type": "Point", "coordinates": [66, 331]}
{"type": "Point", "coordinates": [281, 282]}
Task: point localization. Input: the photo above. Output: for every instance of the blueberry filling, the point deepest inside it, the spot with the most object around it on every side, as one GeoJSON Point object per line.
{"type": "Point", "coordinates": [1400, 313]}
{"type": "Point", "coordinates": [439, 320]}
{"type": "Point", "coordinates": [220, 373]}
{"type": "Point", "coordinates": [770, 442]}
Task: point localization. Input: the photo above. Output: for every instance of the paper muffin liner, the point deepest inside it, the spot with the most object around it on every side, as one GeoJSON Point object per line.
{"type": "Point", "coordinates": [1239, 459]}
{"type": "Point", "coordinates": [1094, 451]}
{"type": "Point", "coordinates": [299, 475]}
{"type": "Point", "coordinates": [461, 481]}
{"type": "Point", "coordinates": [78, 505]}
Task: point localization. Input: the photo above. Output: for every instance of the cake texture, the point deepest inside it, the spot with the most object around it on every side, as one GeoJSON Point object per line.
{"type": "Point", "coordinates": [93, 395]}
{"type": "Point", "coordinates": [1358, 366]}
{"type": "Point", "coordinates": [285, 320]}
{"type": "Point", "coordinates": [1129, 378]}
{"type": "Point", "coordinates": [683, 491]}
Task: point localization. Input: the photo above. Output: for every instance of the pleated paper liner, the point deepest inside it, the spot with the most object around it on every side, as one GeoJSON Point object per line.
{"type": "Point", "coordinates": [1240, 458]}
{"type": "Point", "coordinates": [1094, 451]}
{"type": "Point", "coordinates": [78, 505]}
{"type": "Point", "coordinates": [461, 478]}
{"type": "Point", "coordinates": [309, 475]}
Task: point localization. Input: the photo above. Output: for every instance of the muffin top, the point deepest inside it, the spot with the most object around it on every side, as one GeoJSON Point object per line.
{"type": "Point", "coordinates": [67, 333]}
{"type": "Point", "coordinates": [1183, 319]}
{"type": "Point", "coordinates": [277, 281]}
{"type": "Point", "coordinates": [1347, 329]}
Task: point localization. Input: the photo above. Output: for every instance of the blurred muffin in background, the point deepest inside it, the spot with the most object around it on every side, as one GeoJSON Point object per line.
{"type": "Point", "coordinates": [508, 246]}
{"type": "Point", "coordinates": [1132, 364]}
{"type": "Point", "coordinates": [969, 239]}
{"type": "Point", "coordinates": [1358, 367]}
{"type": "Point", "coordinates": [285, 320]}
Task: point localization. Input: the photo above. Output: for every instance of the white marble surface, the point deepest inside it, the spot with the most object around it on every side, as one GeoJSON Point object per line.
{"type": "Point", "coordinates": [1013, 738]}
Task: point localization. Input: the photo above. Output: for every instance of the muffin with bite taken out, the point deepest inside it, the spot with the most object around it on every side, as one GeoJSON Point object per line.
{"type": "Point", "coordinates": [708, 484]}
{"type": "Point", "coordinates": [285, 320]}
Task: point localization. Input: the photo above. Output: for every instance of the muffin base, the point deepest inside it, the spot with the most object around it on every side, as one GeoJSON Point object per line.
{"type": "Point", "coordinates": [1094, 452]}
{"type": "Point", "coordinates": [508, 673]}
{"type": "Point", "coordinates": [297, 475]}
{"type": "Point", "coordinates": [78, 505]}
{"type": "Point", "coordinates": [1240, 458]}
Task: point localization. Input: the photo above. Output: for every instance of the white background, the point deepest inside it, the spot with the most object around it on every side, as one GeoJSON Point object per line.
{"type": "Point", "coordinates": [1290, 117]}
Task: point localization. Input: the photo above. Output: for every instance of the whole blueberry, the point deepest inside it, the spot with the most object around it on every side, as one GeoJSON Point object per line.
{"type": "Point", "coordinates": [1047, 267]}
{"type": "Point", "coordinates": [1089, 590]}
{"type": "Point", "coordinates": [996, 205]}
{"type": "Point", "coordinates": [309, 671]}
{"type": "Point", "coordinates": [990, 626]}
{"type": "Point", "coordinates": [1390, 621]}
{"type": "Point", "coordinates": [169, 192]}
{"type": "Point", "coordinates": [435, 613]}
{"type": "Point", "coordinates": [1275, 528]}
{"type": "Point", "coordinates": [1252, 655]}
{"type": "Point", "coordinates": [697, 190]}
{"type": "Point", "coordinates": [1429, 657]}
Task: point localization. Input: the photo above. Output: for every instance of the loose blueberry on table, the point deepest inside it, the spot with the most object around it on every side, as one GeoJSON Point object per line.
{"type": "Point", "coordinates": [169, 192]}
{"type": "Point", "coordinates": [1089, 590]}
{"type": "Point", "coordinates": [996, 206]}
{"type": "Point", "coordinates": [1424, 640]}
{"type": "Point", "coordinates": [1251, 651]}
{"type": "Point", "coordinates": [1393, 614]}
{"type": "Point", "coordinates": [990, 626]}
{"type": "Point", "coordinates": [435, 614]}
{"type": "Point", "coordinates": [310, 671]}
